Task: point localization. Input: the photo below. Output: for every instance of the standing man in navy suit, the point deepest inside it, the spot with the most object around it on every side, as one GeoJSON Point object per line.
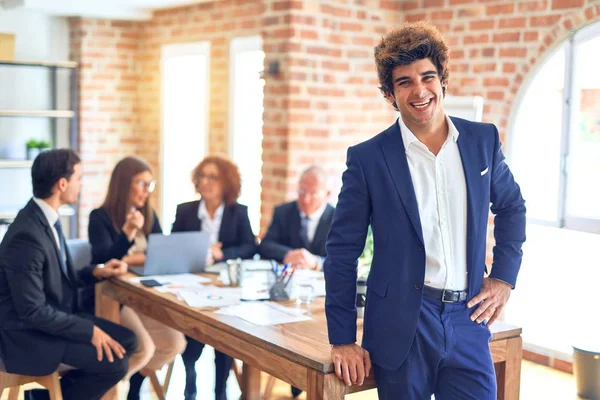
{"type": "Point", "coordinates": [425, 186]}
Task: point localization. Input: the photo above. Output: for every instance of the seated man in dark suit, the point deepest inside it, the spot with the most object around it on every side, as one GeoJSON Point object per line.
{"type": "Point", "coordinates": [299, 228]}
{"type": "Point", "coordinates": [40, 327]}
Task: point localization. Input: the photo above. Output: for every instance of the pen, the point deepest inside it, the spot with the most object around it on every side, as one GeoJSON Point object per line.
{"type": "Point", "coordinates": [290, 277]}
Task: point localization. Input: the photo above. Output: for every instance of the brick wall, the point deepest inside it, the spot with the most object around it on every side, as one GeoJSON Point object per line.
{"type": "Point", "coordinates": [108, 102]}
{"type": "Point", "coordinates": [325, 96]}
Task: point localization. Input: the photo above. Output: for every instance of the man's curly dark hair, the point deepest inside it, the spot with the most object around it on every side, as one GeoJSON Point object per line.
{"type": "Point", "coordinates": [407, 44]}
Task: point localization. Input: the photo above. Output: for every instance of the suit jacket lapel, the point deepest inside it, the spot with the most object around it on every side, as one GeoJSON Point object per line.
{"type": "Point", "coordinates": [394, 154]}
{"type": "Point", "coordinates": [50, 234]}
{"type": "Point", "coordinates": [226, 222]}
{"type": "Point", "coordinates": [195, 223]}
{"type": "Point", "coordinates": [294, 227]}
{"type": "Point", "coordinates": [471, 163]}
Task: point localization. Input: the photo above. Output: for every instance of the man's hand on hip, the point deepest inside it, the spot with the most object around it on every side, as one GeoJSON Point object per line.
{"type": "Point", "coordinates": [352, 363]}
{"type": "Point", "coordinates": [493, 297]}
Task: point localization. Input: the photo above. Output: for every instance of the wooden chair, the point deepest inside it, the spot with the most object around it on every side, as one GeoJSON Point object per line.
{"type": "Point", "coordinates": [14, 382]}
{"type": "Point", "coordinates": [159, 389]}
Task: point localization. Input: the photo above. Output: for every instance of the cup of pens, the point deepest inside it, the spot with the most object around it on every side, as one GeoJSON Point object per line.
{"type": "Point", "coordinates": [283, 276]}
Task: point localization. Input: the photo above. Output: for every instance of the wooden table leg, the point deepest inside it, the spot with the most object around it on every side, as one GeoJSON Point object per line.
{"type": "Point", "coordinates": [250, 382]}
{"type": "Point", "coordinates": [324, 387]}
{"type": "Point", "coordinates": [108, 309]}
{"type": "Point", "coordinates": [508, 373]}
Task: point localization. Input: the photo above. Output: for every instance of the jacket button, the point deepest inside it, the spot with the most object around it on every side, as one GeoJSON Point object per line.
{"type": "Point", "coordinates": [417, 286]}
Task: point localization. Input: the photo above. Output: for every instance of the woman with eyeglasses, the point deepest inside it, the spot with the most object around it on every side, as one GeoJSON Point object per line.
{"type": "Point", "coordinates": [218, 182]}
{"type": "Point", "coordinates": [119, 229]}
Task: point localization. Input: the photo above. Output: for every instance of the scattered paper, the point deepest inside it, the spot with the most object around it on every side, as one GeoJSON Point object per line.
{"type": "Point", "coordinates": [265, 313]}
{"type": "Point", "coordinates": [211, 296]}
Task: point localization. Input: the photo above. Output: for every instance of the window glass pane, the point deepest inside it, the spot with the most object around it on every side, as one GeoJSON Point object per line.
{"type": "Point", "coordinates": [536, 138]}
{"type": "Point", "coordinates": [184, 123]}
{"type": "Point", "coordinates": [247, 122]}
{"type": "Point", "coordinates": [583, 190]}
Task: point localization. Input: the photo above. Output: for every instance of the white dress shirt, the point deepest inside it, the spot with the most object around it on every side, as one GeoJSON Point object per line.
{"type": "Point", "coordinates": [51, 215]}
{"type": "Point", "coordinates": [441, 193]}
{"type": "Point", "coordinates": [210, 225]}
{"type": "Point", "coordinates": [313, 221]}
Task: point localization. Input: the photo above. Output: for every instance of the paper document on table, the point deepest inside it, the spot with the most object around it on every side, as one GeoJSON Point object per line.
{"type": "Point", "coordinates": [265, 313]}
{"type": "Point", "coordinates": [211, 296]}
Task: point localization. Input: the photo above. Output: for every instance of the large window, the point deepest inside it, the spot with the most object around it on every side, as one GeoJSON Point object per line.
{"type": "Point", "coordinates": [554, 152]}
{"type": "Point", "coordinates": [185, 83]}
{"type": "Point", "coordinates": [555, 141]}
{"type": "Point", "coordinates": [245, 119]}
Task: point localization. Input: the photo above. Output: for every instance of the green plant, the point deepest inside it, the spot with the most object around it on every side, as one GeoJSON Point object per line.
{"type": "Point", "coordinates": [44, 144]}
{"type": "Point", "coordinates": [32, 144]}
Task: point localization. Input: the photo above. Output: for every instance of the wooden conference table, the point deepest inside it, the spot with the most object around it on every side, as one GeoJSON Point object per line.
{"type": "Point", "coordinates": [297, 353]}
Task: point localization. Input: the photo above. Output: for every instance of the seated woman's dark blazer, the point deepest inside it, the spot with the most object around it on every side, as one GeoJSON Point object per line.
{"type": "Point", "coordinates": [235, 232]}
{"type": "Point", "coordinates": [108, 243]}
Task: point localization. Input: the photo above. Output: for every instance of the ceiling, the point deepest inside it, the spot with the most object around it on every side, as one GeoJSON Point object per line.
{"type": "Point", "coordinates": [113, 9]}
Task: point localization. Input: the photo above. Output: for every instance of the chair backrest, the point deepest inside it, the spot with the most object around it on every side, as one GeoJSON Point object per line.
{"type": "Point", "coordinates": [81, 252]}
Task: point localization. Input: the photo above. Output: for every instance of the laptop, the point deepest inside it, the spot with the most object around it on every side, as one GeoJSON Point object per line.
{"type": "Point", "coordinates": [177, 253]}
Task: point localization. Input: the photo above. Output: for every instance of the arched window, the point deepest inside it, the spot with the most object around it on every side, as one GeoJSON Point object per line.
{"type": "Point", "coordinates": [554, 147]}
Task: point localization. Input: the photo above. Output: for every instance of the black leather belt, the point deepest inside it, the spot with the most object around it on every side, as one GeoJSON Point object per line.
{"type": "Point", "coordinates": [445, 296]}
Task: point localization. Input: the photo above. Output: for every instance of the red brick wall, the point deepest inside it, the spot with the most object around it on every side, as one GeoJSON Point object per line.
{"type": "Point", "coordinates": [325, 97]}
{"type": "Point", "coordinates": [108, 102]}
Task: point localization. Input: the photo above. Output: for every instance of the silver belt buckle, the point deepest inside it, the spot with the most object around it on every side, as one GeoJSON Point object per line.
{"type": "Point", "coordinates": [444, 297]}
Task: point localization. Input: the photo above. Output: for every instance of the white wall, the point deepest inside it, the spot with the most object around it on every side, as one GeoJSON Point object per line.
{"type": "Point", "coordinates": [38, 37]}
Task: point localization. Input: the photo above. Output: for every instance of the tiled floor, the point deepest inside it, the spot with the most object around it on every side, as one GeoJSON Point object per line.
{"type": "Point", "coordinates": [537, 382]}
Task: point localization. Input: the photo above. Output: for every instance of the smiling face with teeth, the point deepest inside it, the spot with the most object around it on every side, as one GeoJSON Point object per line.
{"type": "Point", "coordinates": [418, 95]}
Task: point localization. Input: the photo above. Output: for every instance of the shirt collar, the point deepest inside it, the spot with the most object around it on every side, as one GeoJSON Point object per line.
{"type": "Point", "coordinates": [408, 137]}
{"type": "Point", "coordinates": [203, 212]}
{"type": "Point", "coordinates": [315, 216]}
{"type": "Point", "coordinates": [49, 212]}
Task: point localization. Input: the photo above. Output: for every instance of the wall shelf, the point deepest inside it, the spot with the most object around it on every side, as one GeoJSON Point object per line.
{"type": "Point", "coordinates": [54, 70]}
{"type": "Point", "coordinates": [45, 64]}
{"type": "Point", "coordinates": [16, 163]}
{"type": "Point", "coordinates": [38, 113]}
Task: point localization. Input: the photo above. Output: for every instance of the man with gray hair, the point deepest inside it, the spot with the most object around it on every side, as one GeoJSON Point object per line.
{"type": "Point", "coordinates": [299, 228]}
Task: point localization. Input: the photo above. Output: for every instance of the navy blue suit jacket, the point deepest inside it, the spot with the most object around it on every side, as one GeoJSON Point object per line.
{"type": "Point", "coordinates": [378, 190]}
{"type": "Point", "coordinates": [235, 232]}
{"type": "Point", "coordinates": [38, 300]}
{"type": "Point", "coordinates": [284, 232]}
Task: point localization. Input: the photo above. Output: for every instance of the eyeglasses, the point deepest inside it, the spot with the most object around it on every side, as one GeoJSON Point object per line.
{"type": "Point", "coordinates": [313, 195]}
{"type": "Point", "coordinates": [209, 177]}
{"type": "Point", "coordinates": [149, 186]}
